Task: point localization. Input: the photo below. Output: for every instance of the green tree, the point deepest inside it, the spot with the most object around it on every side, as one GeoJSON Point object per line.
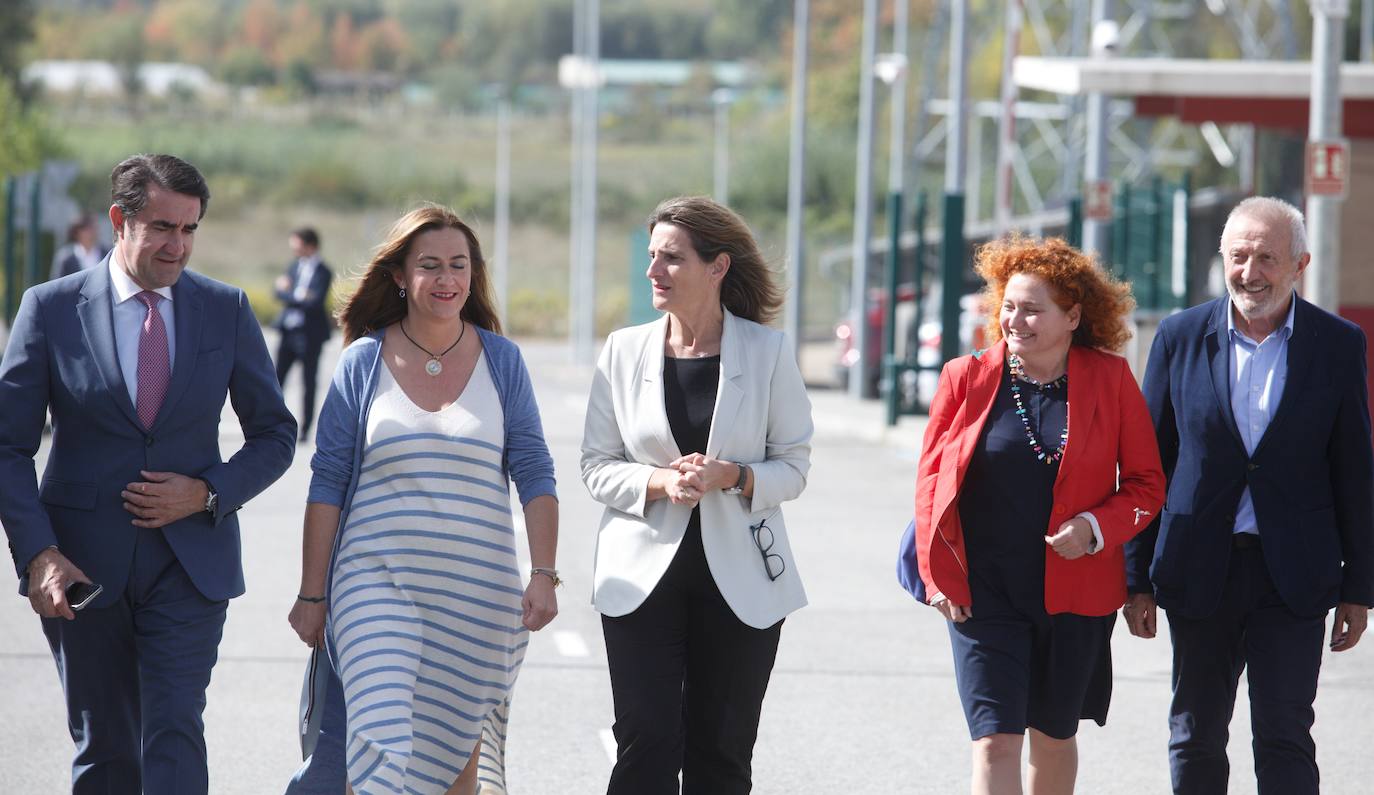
{"type": "Point", "coordinates": [16, 30]}
{"type": "Point", "coordinates": [25, 139]}
{"type": "Point", "coordinates": [246, 66]}
{"type": "Point", "coordinates": [125, 46]}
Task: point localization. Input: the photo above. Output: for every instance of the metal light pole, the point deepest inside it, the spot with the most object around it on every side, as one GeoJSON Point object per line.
{"type": "Point", "coordinates": [1105, 41]}
{"type": "Point", "coordinates": [891, 68]}
{"type": "Point", "coordinates": [1006, 139]}
{"type": "Point", "coordinates": [863, 207]}
{"type": "Point", "coordinates": [1366, 31]}
{"type": "Point", "coordinates": [722, 99]}
{"type": "Point", "coordinates": [796, 174]}
{"type": "Point", "coordinates": [952, 242]}
{"type": "Point", "coordinates": [574, 82]}
{"type": "Point", "coordinates": [584, 345]}
{"type": "Point", "coordinates": [502, 244]}
{"type": "Point", "coordinates": [1323, 277]}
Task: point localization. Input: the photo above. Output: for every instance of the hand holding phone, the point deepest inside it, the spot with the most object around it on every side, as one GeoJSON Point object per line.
{"type": "Point", "coordinates": [50, 574]}
{"type": "Point", "coordinates": [80, 594]}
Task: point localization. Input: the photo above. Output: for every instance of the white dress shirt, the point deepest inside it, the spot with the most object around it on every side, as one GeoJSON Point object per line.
{"type": "Point", "coordinates": [129, 313]}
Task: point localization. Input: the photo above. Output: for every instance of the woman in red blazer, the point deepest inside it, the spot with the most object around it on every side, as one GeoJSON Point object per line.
{"type": "Point", "coordinates": [1039, 463]}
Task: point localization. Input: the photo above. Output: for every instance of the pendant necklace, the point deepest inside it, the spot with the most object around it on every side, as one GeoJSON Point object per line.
{"type": "Point", "coordinates": [434, 366]}
{"type": "Point", "coordinates": [1018, 373]}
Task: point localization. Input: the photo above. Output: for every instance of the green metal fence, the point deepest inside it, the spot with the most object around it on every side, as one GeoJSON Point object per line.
{"type": "Point", "coordinates": [1144, 247]}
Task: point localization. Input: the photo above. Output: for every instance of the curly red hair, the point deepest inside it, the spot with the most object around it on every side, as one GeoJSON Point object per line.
{"type": "Point", "coordinates": [1073, 277]}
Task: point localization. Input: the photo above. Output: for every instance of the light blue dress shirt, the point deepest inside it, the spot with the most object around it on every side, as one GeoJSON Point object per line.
{"type": "Point", "coordinates": [129, 314]}
{"type": "Point", "coordinates": [1258, 373]}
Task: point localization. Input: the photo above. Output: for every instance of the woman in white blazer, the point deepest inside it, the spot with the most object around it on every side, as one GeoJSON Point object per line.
{"type": "Point", "coordinates": [698, 429]}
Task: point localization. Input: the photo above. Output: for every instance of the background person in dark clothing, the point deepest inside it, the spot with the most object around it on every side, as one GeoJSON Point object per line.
{"type": "Point", "coordinates": [304, 321]}
{"type": "Point", "coordinates": [83, 249]}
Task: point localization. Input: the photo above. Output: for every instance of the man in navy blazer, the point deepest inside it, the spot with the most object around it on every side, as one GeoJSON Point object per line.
{"type": "Point", "coordinates": [134, 359]}
{"type": "Point", "coordinates": [304, 320]}
{"type": "Point", "coordinates": [1261, 407]}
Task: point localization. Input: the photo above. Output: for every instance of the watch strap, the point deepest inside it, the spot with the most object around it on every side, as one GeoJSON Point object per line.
{"type": "Point", "coordinates": [738, 488]}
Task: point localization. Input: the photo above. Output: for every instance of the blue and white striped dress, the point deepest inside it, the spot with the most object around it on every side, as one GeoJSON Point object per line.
{"type": "Point", "coordinates": [426, 610]}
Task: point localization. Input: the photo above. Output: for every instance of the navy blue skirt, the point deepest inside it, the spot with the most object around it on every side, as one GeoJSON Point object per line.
{"type": "Point", "coordinates": [1017, 670]}
{"type": "Point", "coordinates": [1016, 665]}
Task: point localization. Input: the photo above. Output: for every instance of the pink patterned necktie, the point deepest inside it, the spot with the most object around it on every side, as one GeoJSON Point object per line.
{"type": "Point", "coordinates": [154, 363]}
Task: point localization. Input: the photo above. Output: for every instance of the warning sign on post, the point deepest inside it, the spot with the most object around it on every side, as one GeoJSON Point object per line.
{"type": "Point", "coordinates": [1328, 168]}
{"type": "Point", "coordinates": [1097, 200]}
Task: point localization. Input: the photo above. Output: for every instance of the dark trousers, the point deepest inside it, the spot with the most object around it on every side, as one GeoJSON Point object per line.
{"type": "Point", "coordinates": [135, 675]}
{"type": "Point", "coordinates": [297, 347]}
{"type": "Point", "coordinates": [1251, 629]}
{"type": "Point", "coordinates": [687, 679]}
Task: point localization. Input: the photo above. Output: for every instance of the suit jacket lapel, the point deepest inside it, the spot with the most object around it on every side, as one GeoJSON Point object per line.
{"type": "Point", "coordinates": [1217, 344]}
{"type": "Point", "coordinates": [186, 309]}
{"type": "Point", "coordinates": [730, 392]}
{"type": "Point", "coordinates": [1083, 393]}
{"type": "Point", "coordinates": [97, 327]}
{"type": "Point", "coordinates": [985, 375]}
{"type": "Point", "coordinates": [652, 406]}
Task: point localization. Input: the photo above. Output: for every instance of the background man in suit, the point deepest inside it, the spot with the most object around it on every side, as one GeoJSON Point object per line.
{"type": "Point", "coordinates": [82, 252]}
{"type": "Point", "coordinates": [303, 322]}
{"type": "Point", "coordinates": [134, 358]}
{"type": "Point", "coordinates": [1261, 409]}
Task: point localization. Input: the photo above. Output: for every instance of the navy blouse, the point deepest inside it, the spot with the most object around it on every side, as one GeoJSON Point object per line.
{"type": "Point", "coordinates": [1008, 493]}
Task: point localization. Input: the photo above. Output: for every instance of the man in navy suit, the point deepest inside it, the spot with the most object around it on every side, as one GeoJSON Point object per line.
{"type": "Point", "coordinates": [304, 322]}
{"type": "Point", "coordinates": [1261, 408]}
{"type": "Point", "coordinates": [134, 359]}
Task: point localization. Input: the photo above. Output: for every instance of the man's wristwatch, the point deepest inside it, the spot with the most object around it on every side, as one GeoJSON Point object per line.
{"type": "Point", "coordinates": [738, 488]}
{"type": "Point", "coordinates": [211, 498]}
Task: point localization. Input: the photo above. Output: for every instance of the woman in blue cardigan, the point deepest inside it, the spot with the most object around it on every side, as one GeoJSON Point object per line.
{"type": "Point", "coordinates": [409, 565]}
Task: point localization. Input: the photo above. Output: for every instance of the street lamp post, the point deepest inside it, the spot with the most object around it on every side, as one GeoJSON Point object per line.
{"type": "Point", "coordinates": [863, 207]}
{"type": "Point", "coordinates": [722, 99]}
{"type": "Point", "coordinates": [1323, 277]}
{"type": "Point", "coordinates": [502, 270]}
{"type": "Point", "coordinates": [796, 173]}
{"type": "Point", "coordinates": [891, 68]}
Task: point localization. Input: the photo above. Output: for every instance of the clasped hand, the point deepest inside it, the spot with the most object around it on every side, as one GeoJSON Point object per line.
{"type": "Point", "coordinates": [1072, 539]}
{"type": "Point", "coordinates": [695, 474]}
{"type": "Point", "coordinates": [163, 497]}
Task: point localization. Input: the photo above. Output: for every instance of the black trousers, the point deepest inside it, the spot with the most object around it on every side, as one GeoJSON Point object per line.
{"type": "Point", "coordinates": [297, 347]}
{"type": "Point", "coordinates": [687, 679]}
{"type": "Point", "coordinates": [1251, 629]}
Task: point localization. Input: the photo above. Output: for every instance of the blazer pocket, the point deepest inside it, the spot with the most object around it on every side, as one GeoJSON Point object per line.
{"type": "Point", "coordinates": [211, 356]}
{"type": "Point", "coordinates": [1171, 548]}
{"type": "Point", "coordinates": [66, 494]}
{"type": "Point", "coordinates": [1319, 543]}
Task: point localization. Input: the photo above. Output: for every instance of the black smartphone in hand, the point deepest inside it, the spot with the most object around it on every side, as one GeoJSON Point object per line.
{"type": "Point", "coordinates": [80, 594]}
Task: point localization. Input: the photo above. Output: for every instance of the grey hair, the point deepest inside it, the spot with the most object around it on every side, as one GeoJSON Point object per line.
{"type": "Point", "coordinates": [1270, 208]}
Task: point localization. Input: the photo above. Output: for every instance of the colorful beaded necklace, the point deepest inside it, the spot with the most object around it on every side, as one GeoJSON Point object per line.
{"type": "Point", "coordinates": [1018, 373]}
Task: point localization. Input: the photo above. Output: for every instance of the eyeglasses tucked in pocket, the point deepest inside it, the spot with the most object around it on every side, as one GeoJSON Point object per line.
{"type": "Point", "coordinates": [773, 564]}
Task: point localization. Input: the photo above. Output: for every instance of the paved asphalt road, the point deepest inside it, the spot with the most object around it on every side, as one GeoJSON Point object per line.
{"type": "Point", "coordinates": [862, 698]}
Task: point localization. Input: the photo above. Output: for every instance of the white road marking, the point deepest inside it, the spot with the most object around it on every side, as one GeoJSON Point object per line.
{"type": "Point", "coordinates": [570, 644]}
{"type": "Point", "coordinates": [608, 743]}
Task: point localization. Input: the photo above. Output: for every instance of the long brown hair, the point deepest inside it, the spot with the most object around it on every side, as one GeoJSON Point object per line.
{"type": "Point", "coordinates": [748, 289]}
{"type": "Point", "coordinates": [377, 302]}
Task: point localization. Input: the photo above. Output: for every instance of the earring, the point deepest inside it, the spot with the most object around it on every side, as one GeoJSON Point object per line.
{"type": "Point", "coordinates": [403, 292]}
